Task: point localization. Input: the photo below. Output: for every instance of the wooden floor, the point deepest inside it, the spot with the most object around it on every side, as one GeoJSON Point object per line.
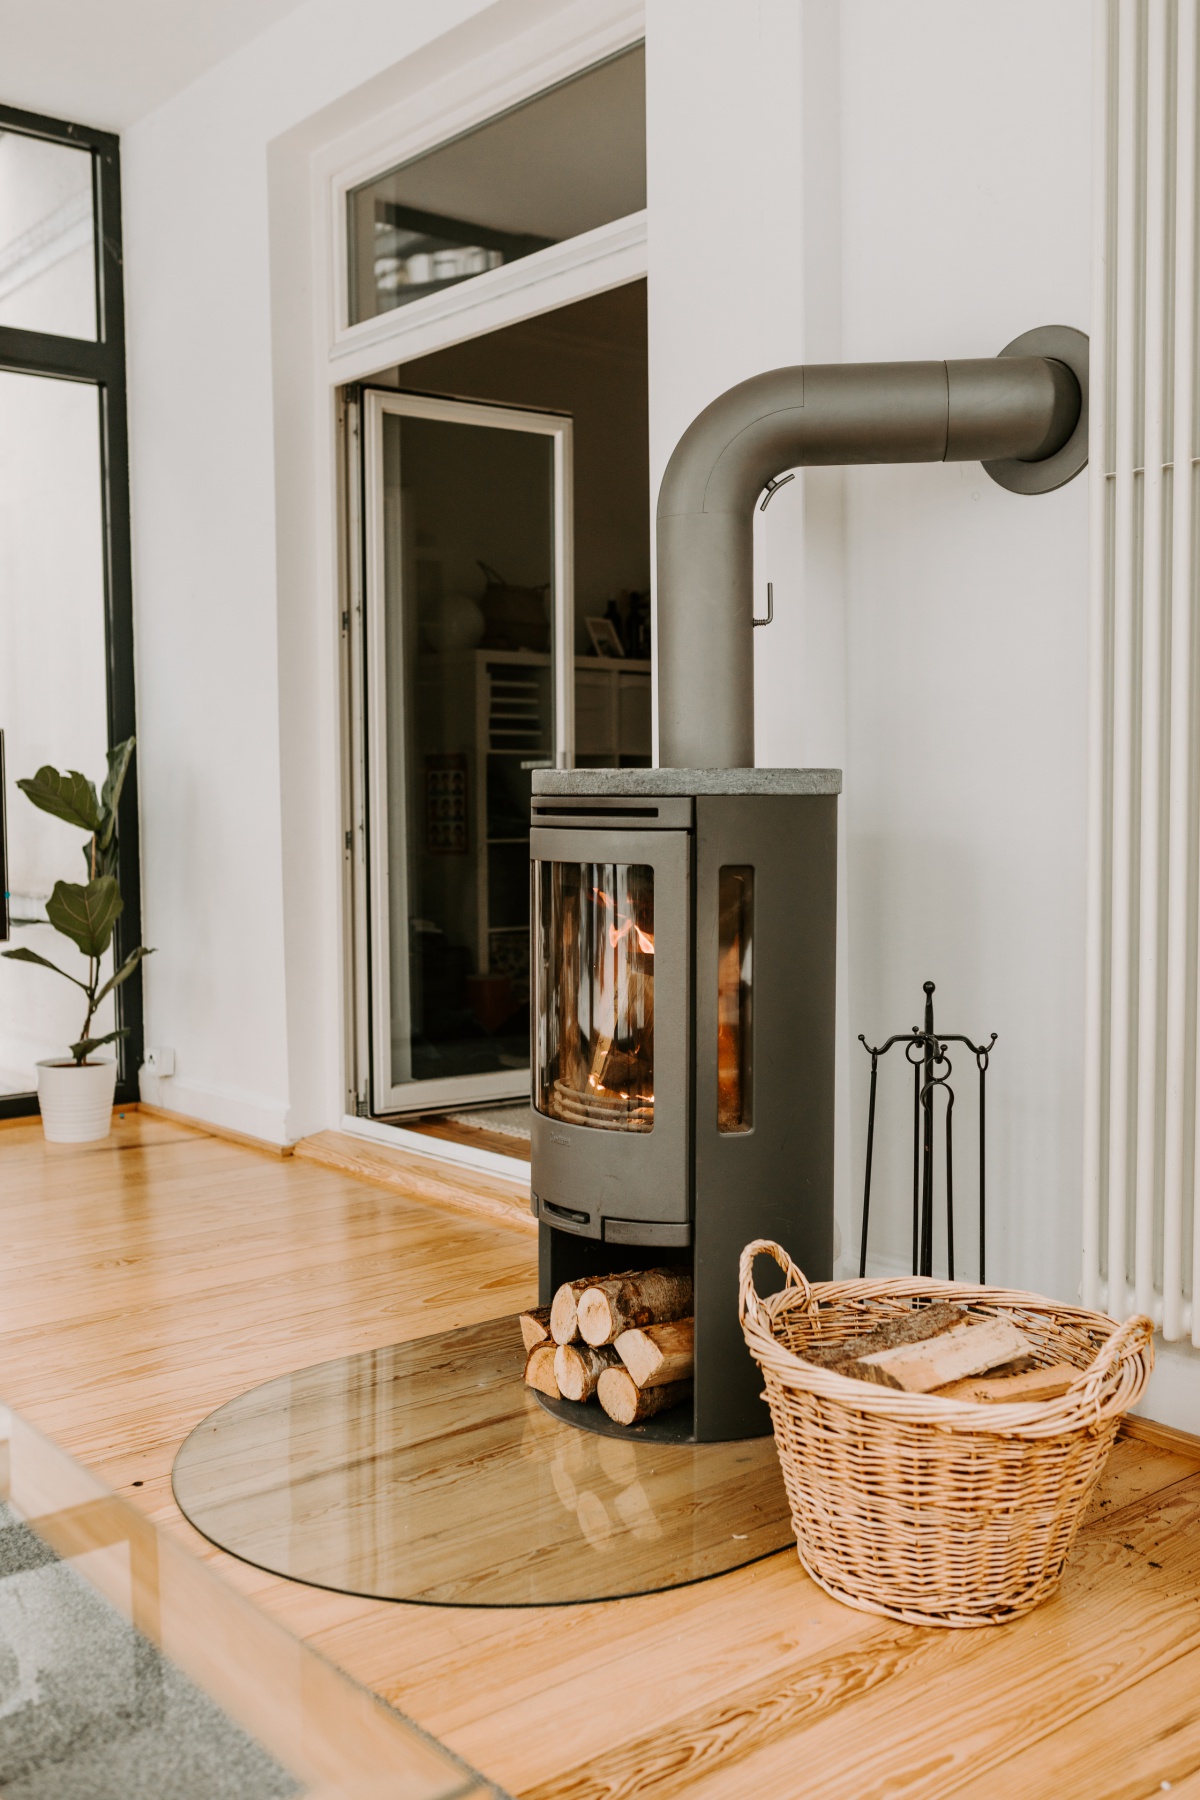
{"type": "Point", "coordinates": [145, 1281]}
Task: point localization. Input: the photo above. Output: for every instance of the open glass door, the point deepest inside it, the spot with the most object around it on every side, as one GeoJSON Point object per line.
{"type": "Point", "coordinates": [467, 689]}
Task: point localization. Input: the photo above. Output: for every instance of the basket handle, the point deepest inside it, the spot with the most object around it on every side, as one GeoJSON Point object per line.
{"type": "Point", "coordinates": [749, 1303]}
{"type": "Point", "coordinates": [1134, 1335]}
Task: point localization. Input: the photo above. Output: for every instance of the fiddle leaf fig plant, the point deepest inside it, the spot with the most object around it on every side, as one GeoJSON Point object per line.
{"type": "Point", "coordinates": [86, 912]}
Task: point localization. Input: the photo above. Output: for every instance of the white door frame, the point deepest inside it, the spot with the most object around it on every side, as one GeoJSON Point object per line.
{"type": "Point", "coordinates": [418, 104]}
{"type": "Point", "coordinates": [392, 1089]}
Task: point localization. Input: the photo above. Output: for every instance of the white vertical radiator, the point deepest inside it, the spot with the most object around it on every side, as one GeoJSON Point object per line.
{"type": "Point", "coordinates": [1141, 1142]}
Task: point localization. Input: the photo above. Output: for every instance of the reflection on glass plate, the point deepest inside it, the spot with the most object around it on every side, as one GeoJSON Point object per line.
{"type": "Point", "coordinates": [428, 1472]}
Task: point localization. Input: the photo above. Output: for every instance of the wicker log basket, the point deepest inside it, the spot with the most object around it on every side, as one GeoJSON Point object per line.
{"type": "Point", "coordinates": [930, 1510]}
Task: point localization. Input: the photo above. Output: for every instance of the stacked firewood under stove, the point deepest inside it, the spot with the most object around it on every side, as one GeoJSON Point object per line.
{"type": "Point", "coordinates": [623, 1340]}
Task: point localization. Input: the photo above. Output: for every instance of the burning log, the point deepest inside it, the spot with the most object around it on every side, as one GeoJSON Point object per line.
{"type": "Point", "coordinates": [658, 1354]}
{"type": "Point", "coordinates": [632, 1301]}
{"type": "Point", "coordinates": [539, 1371]}
{"type": "Point", "coordinates": [629, 1404]}
{"type": "Point", "coordinates": [602, 1110]}
{"type": "Point", "coordinates": [578, 1368]}
{"type": "Point", "coordinates": [535, 1326]}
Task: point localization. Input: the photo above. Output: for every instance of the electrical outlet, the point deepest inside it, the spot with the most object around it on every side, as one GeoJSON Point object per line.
{"type": "Point", "coordinates": [159, 1062]}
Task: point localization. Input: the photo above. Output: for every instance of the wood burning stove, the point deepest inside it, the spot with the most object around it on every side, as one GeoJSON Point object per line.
{"type": "Point", "coordinates": [684, 916]}
{"type": "Point", "coordinates": [683, 969]}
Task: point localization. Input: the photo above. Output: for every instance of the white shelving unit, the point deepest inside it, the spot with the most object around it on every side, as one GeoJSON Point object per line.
{"type": "Point", "coordinates": [492, 709]}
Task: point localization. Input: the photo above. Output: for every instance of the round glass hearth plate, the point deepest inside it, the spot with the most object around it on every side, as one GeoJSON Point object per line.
{"type": "Point", "coordinates": [428, 1472]}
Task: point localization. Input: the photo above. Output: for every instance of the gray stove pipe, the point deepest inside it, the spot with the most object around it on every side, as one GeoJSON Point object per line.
{"type": "Point", "coordinates": [1022, 414]}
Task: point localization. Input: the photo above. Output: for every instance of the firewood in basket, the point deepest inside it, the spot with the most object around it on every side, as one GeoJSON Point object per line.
{"type": "Point", "coordinates": [964, 1350]}
{"type": "Point", "coordinates": [628, 1404]}
{"type": "Point", "coordinates": [657, 1354]}
{"type": "Point", "coordinates": [535, 1326]}
{"type": "Point", "coordinates": [539, 1371]}
{"type": "Point", "coordinates": [906, 1328]}
{"type": "Point", "coordinates": [564, 1320]}
{"type": "Point", "coordinates": [578, 1367]}
{"type": "Point", "coordinates": [628, 1302]}
{"type": "Point", "coordinates": [1034, 1384]}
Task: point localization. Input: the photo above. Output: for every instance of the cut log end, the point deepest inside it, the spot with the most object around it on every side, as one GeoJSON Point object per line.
{"type": "Point", "coordinates": [539, 1371]}
{"type": "Point", "coordinates": [535, 1326]}
{"type": "Point", "coordinates": [631, 1301]}
{"type": "Point", "coordinates": [578, 1368]}
{"type": "Point", "coordinates": [564, 1319]}
{"type": "Point", "coordinates": [628, 1404]}
{"type": "Point", "coordinates": [656, 1355]}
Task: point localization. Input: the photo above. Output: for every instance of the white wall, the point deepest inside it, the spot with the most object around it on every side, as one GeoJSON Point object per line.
{"type": "Point", "coordinates": [967, 184]}
{"type": "Point", "coordinates": [907, 182]}
{"type": "Point", "coordinates": [827, 179]}
{"type": "Point", "coordinates": [214, 611]}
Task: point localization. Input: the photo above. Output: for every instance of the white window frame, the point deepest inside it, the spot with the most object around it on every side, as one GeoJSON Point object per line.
{"type": "Point", "coordinates": [391, 1091]}
{"type": "Point", "coordinates": [609, 256]}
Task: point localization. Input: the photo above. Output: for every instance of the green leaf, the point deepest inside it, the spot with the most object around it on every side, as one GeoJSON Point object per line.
{"type": "Point", "coordinates": [85, 1046]}
{"type": "Point", "coordinates": [119, 760]}
{"type": "Point", "coordinates": [31, 956]}
{"type": "Point", "coordinates": [106, 856]}
{"type": "Point", "coordinates": [124, 972]}
{"type": "Point", "coordinates": [86, 914]}
{"type": "Point", "coordinates": [71, 796]}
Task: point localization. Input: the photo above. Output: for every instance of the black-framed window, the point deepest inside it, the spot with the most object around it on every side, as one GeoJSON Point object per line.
{"type": "Point", "coordinates": [62, 321]}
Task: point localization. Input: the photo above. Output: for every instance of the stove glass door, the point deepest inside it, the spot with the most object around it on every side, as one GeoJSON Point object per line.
{"type": "Point", "coordinates": [595, 1062]}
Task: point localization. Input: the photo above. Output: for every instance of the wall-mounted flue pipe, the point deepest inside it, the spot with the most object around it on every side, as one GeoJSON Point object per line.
{"type": "Point", "coordinates": [1023, 414]}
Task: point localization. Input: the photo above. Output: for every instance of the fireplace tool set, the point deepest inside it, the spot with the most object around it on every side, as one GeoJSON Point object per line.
{"type": "Point", "coordinates": [925, 1052]}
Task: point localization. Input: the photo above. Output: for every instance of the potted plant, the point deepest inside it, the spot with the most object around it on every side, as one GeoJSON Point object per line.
{"type": "Point", "coordinates": [76, 1092]}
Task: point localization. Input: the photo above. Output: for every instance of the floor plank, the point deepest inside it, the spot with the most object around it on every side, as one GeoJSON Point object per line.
{"type": "Point", "coordinates": [145, 1281]}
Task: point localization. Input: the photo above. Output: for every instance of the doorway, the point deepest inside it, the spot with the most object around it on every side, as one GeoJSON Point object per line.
{"type": "Point", "coordinates": [505, 627]}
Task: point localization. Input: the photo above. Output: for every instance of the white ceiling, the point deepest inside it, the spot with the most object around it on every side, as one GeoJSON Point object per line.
{"type": "Point", "coordinates": [107, 62]}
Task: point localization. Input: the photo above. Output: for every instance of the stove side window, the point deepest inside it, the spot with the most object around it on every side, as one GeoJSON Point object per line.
{"type": "Point", "coordinates": [735, 998]}
{"type": "Point", "coordinates": [594, 1050]}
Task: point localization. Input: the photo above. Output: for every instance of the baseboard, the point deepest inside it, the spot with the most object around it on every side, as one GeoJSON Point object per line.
{"type": "Point", "coordinates": [226, 1113]}
{"type": "Point", "coordinates": [1163, 1437]}
{"type": "Point", "coordinates": [424, 1176]}
{"type": "Point", "coordinates": [204, 1128]}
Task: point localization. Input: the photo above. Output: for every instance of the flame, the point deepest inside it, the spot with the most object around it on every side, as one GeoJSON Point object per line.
{"type": "Point", "coordinates": [644, 939]}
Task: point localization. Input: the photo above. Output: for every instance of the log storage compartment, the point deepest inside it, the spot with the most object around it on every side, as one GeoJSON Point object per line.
{"type": "Point", "coordinates": [683, 974]}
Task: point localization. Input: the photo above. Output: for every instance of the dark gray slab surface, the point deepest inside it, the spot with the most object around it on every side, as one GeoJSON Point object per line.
{"type": "Point", "coordinates": [687, 781]}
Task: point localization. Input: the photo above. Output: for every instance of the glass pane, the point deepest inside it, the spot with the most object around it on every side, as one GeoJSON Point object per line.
{"type": "Point", "coordinates": [595, 1036]}
{"type": "Point", "coordinates": [565, 162]}
{"type": "Point", "coordinates": [735, 992]}
{"type": "Point", "coordinates": [52, 690]}
{"type": "Point", "coordinates": [469, 561]}
{"type": "Point", "coordinates": [131, 1670]}
{"type": "Point", "coordinates": [47, 257]}
{"type": "Point", "coordinates": [469, 1493]}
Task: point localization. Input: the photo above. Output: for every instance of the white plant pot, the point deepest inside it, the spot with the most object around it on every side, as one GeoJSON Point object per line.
{"type": "Point", "coordinates": [76, 1100]}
